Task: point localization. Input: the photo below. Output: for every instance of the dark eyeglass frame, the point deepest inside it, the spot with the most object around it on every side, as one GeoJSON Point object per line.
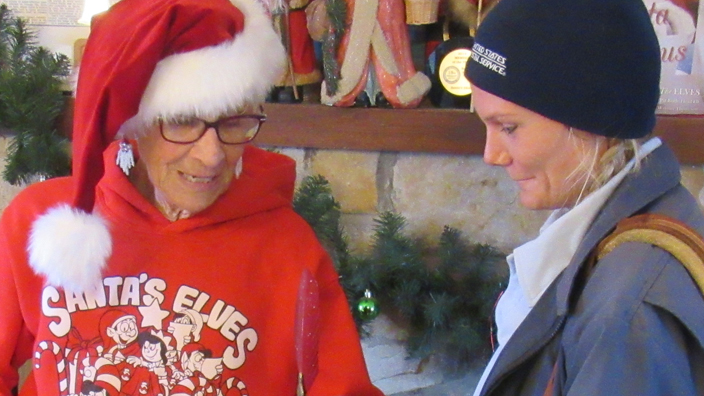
{"type": "Point", "coordinates": [216, 125]}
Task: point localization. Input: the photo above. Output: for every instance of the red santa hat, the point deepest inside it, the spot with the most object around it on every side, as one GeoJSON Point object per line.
{"type": "Point", "coordinates": [143, 60]}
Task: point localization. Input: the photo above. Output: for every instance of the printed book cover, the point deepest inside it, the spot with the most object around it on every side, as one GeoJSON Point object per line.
{"type": "Point", "coordinates": [682, 54]}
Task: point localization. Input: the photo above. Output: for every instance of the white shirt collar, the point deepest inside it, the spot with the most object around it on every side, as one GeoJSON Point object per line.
{"type": "Point", "coordinates": [540, 261]}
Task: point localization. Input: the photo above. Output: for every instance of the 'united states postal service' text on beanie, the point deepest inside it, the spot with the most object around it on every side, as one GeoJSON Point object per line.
{"type": "Point", "coordinates": [591, 64]}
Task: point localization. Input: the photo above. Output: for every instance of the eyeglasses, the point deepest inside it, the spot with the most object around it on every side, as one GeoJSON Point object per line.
{"type": "Point", "coordinates": [239, 129]}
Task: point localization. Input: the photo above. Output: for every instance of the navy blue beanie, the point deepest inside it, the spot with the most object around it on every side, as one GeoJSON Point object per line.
{"type": "Point", "coordinates": [592, 65]}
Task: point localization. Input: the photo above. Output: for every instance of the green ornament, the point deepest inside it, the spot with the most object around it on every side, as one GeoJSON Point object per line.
{"type": "Point", "coordinates": [368, 307]}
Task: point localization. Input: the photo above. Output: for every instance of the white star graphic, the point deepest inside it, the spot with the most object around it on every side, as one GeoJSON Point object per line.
{"type": "Point", "coordinates": [153, 315]}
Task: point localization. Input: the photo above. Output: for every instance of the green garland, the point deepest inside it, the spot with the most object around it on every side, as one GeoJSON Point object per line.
{"type": "Point", "coordinates": [31, 99]}
{"type": "Point", "coordinates": [336, 11]}
{"type": "Point", "coordinates": [444, 295]}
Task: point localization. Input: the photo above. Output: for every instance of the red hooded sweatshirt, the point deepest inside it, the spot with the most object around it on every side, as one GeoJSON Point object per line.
{"type": "Point", "coordinates": [225, 279]}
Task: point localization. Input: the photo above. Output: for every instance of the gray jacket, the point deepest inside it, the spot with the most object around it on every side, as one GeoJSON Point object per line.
{"type": "Point", "coordinates": [636, 327]}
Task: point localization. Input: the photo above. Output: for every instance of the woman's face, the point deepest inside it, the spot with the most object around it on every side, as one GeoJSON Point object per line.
{"type": "Point", "coordinates": [190, 176]}
{"type": "Point", "coordinates": [542, 156]}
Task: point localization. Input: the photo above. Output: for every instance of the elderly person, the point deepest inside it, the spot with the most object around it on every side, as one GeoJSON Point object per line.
{"type": "Point", "coordinates": [173, 235]}
{"type": "Point", "coordinates": [568, 92]}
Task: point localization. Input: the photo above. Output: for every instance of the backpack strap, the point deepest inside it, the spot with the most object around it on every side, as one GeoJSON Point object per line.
{"type": "Point", "coordinates": [671, 235]}
{"type": "Point", "coordinates": [677, 238]}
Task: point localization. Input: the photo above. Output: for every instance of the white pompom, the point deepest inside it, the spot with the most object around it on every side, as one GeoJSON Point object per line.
{"type": "Point", "coordinates": [70, 248]}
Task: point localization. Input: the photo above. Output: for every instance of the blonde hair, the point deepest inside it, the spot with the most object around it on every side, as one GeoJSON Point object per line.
{"type": "Point", "coordinates": [593, 172]}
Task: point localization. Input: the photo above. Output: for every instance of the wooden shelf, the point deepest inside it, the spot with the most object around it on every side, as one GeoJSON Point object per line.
{"type": "Point", "coordinates": [427, 130]}
{"type": "Point", "coordinates": [685, 135]}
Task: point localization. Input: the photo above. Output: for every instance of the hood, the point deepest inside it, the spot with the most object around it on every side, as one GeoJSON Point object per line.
{"type": "Point", "coordinates": [71, 248]}
{"type": "Point", "coordinates": [266, 183]}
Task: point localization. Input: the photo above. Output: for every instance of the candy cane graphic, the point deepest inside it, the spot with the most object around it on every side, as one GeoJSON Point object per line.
{"type": "Point", "coordinates": [234, 382]}
{"type": "Point", "coordinates": [53, 350]}
{"type": "Point", "coordinates": [187, 386]}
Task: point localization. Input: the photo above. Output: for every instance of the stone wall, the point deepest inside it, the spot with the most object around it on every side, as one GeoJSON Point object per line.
{"type": "Point", "coordinates": [431, 191]}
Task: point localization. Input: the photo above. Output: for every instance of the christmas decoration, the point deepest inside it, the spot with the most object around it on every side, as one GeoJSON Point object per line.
{"type": "Point", "coordinates": [368, 307]}
{"type": "Point", "coordinates": [31, 99]}
{"type": "Point", "coordinates": [337, 13]}
{"type": "Point", "coordinates": [307, 330]}
{"type": "Point", "coordinates": [443, 296]}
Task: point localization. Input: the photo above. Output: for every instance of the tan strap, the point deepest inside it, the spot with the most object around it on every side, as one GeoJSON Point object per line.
{"type": "Point", "coordinates": [674, 236]}
{"type": "Point", "coordinates": [681, 241]}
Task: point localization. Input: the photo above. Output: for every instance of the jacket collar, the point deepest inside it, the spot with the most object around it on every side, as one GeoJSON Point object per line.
{"type": "Point", "coordinates": [659, 173]}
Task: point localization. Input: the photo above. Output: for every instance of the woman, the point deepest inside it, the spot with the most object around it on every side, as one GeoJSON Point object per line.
{"type": "Point", "coordinates": [177, 237]}
{"type": "Point", "coordinates": [568, 91]}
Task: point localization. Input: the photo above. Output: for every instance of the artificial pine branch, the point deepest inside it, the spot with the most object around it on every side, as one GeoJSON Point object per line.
{"type": "Point", "coordinates": [444, 296]}
{"type": "Point", "coordinates": [315, 203]}
{"type": "Point", "coordinates": [30, 102]}
{"type": "Point", "coordinates": [395, 253]}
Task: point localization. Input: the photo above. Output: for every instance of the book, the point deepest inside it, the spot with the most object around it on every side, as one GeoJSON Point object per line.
{"type": "Point", "coordinates": [681, 42]}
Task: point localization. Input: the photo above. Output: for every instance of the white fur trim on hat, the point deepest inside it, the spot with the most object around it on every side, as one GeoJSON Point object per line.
{"type": "Point", "coordinates": [69, 247]}
{"type": "Point", "coordinates": [212, 81]}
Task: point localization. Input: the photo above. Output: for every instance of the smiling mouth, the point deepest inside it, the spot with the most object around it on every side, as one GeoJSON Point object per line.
{"type": "Point", "coordinates": [197, 179]}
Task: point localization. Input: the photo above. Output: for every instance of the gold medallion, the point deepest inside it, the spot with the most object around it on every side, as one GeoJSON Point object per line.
{"type": "Point", "coordinates": [451, 72]}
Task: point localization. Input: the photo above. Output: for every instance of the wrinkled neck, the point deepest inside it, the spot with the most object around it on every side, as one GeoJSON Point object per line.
{"type": "Point", "coordinates": [139, 177]}
{"type": "Point", "coordinates": [171, 212]}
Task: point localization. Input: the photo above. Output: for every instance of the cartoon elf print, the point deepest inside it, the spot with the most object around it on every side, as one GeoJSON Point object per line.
{"type": "Point", "coordinates": [118, 330]}
{"type": "Point", "coordinates": [198, 369]}
{"type": "Point", "coordinates": [186, 327]}
{"type": "Point", "coordinates": [135, 350]}
{"type": "Point", "coordinates": [150, 375]}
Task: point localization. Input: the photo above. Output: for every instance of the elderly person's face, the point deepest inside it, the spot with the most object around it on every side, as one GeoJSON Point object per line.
{"type": "Point", "coordinates": [547, 160]}
{"type": "Point", "coordinates": [185, 177]}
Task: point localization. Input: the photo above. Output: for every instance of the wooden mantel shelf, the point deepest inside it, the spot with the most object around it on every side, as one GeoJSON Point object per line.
{"type": "Point", "coordinates": [427, 130]}
{"type": "Point", "coordinates": [430, 130]}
